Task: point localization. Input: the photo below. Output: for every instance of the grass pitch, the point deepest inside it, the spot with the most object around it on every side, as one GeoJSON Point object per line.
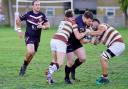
{"type": "Point", "coordinates": [12, 51]}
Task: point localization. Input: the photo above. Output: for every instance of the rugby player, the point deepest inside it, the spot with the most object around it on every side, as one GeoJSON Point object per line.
{"type": "Point", "coordinates": [110, 37]}
{"type": "Point", "coordinates": [75, 46]}
{"type": "Point", "coordinates": [59, 43]}
{"type": "Point", "coordinates": [35, 21]}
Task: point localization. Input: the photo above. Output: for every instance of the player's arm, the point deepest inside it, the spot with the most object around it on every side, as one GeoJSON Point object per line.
{"type": "Point", "coordinates": [44, 24]}
{"type": "Point", "coordinates": [77, 34]}
{"type": "Point", "coordinates": [101, 29]}
{"type": "Point", "coordinates": [84, 41]}
{"type": "Point", "coordinates": [18, 24]}
{"type": "Point", "coordinates": [18, 27]}
{"type": "Point", "coordinates": [95, 40]}
{"type": "Point", "coordinates": [19, 19]}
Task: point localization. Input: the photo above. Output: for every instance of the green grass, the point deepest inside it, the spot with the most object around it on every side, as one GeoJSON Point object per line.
{"type": "Point", "coordinates": [12, 51]}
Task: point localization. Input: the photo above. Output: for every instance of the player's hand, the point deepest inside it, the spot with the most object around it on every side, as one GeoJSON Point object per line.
{"type": "Point", "coordinates": [20, 34]}
{"type": "Point", "coordinates": [81, 30]}
{"type": "Point", "coordinates": [40, 25]}
{"type": "Point", "coordinates": [84, 41]}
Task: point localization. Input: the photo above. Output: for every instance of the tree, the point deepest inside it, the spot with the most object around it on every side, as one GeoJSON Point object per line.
{"type": "Point", "coordinates": [124, 7]}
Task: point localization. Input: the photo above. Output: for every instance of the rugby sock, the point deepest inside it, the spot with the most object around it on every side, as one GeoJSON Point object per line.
{"type": "Point", "coordinates": [53, 68]}
{"type": "Point", "coordinates": [67, 71]}
{"type": "Point", "coordinates": [76, 64]}
{"type": "Point", "coordinates": [105, 76]}
{"type": "Point", "coordinates": [52, 63]}
{"type": "Point", "coordinates": [25, 62]}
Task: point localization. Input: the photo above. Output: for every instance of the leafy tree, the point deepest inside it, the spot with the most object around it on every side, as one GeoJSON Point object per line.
{"type": "Point", "coordinates": [124, 7]}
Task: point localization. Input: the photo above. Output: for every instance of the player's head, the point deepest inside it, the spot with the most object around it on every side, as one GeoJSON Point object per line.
{"type": "Point", "coordinates": [95, 24]}
{"type": "Point", "coordinates": [87, 17]}
{"type": "Point", "coordinates": [69, 14]}
{"type": "Point", "coordinates": [36, 5]}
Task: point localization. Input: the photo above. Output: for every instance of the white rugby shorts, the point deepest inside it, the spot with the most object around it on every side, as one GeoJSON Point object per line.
{"type": "Point", "coordinates": [58, 45]}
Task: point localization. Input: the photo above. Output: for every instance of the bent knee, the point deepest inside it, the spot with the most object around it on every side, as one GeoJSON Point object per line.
{"type": "Point", "coordinates": [82, 59]}
{"type": "Point", "coordinates": [70, 63]}
{"type": "Point", "coordinates": [31, 53]}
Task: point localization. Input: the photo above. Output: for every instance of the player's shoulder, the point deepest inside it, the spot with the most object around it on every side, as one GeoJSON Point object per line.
{"type": "Point", "coordinates": [29, 12]}
{"type": "Point", "coordinates": [71, 22]}
{"type": "Point", "coordinates": [41, 13]}
{"type": "Point", "coordinates": [103, 25]}
{"type": "Point", "coordinates": [79, 17]}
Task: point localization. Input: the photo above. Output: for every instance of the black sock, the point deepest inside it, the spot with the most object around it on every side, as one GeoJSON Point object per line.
{"type": "Point", "coordinates": [57, 65]}
{"type": "Point", "coordinates": [76, 64]}
{"type": "Point", "coordinates": [25, 62]}
{"type": "Point", "coordinates": [52, 63]}
{"type": "Point", "coordinates": [67, 71]}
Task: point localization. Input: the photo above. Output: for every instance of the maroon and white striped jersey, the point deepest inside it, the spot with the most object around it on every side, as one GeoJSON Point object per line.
{"type": "Point", "coordinates": [64, 31]}
{"type": "Point", "coordinates": [110, 36]}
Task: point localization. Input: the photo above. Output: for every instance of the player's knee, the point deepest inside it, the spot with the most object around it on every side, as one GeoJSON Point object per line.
{"type": "Point", "coordinates": [70, 63]}
{"type": "Point", "coordinates": [82, 60]}
{"type": "Point", "coordinates": [60, 64]}
{"type": "Point", "coordinates": [103, 59]}
{"type": "Point", "coordinates": [106, 55]}
{"type": "Point", "coordinates": [31, 53]}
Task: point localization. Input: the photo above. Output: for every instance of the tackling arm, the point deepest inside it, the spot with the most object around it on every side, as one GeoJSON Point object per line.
{"type": "Point", "coordinates": [101, 29]}
{"type": "Point", "coordinates": [78, 35]}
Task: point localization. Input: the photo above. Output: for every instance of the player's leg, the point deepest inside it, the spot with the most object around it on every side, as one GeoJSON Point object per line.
{"type": "Point", "coordinates": [80, 53]}
{"type": "Point", "coordinates": [114, 50]}
{"type": "Point", "coordinates": [104, 64]}
{"type": "Point", "coordinates": [58, 51]}
{"type": "Point", "coordinates": [52, 68]}
{"type": "Point", "coordinates": [29, 55]}
{"type": "Point", "coordinates": [70, 56]}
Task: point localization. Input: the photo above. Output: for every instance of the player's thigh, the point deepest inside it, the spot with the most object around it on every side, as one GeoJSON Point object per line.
{"type": "Point", "coordinates": [61, 52]}
{"type": "Point", "coordinates": [60, 58]}
{"type": "Point", "coordinates": [53, 50]}
{"type": "Point", "coordinates": [70, 57]}
{"type": "Point", "coordinates": [30, 48]}
{"type": "Point", "coordinates": [59, 48]}
{"type": "Point", "coordinates": [54, 56]}
{"type": "Point", "coordinates": [80, 53]}
{"type": "Point", "coordinates": [117, 48]}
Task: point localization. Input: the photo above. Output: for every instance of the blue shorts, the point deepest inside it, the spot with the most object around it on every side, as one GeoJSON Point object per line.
{"type": "Point", "coordinates": [72, 48]}
{"type": "Point", "coordinates": [32, 40]}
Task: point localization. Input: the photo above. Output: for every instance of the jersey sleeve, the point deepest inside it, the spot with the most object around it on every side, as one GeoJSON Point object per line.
{"type": "Point", "coordinates": [23, 17]}
{"type": "Point", "coordinates": [45, 19]}
{"type": "Point", "coordinates": [75, 27]}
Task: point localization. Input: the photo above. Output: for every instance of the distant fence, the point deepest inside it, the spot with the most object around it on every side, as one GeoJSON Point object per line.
{"type": "Point", "coordinates": [54, 21]}
{"type": "Point", "coordinates": [117, 21]}
{"type": "Point", "coordinates": [2, 19]}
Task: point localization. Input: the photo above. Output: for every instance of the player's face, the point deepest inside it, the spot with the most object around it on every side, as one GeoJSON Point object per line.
{"type": "Point", "coordinates": [95, 25]}
{"type": "Point", "coordinates": [88, 21]}
{"type": "Point", "coordinates": [36, 6]}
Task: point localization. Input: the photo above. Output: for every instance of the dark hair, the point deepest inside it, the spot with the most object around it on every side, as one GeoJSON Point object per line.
{"type": "Point", "coordinates": [69, 13]}
{"type": "Point", "coordinates": [88, 14]}
{"type": "Point", "coordinates": [34, 2]}
{"type": "Point", "coordinates": [96, 20]}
